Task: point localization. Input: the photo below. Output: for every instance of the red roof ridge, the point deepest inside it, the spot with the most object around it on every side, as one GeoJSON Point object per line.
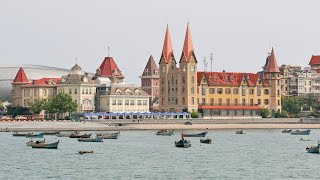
{"type": "Point", "coordinates": [188, 45]}
{"type": "Point", "coordinates": [21, 77]}
{"type": "Point", "coordinates": [167, 50]}
{"type": "Point", "coordinates": [315, 60]}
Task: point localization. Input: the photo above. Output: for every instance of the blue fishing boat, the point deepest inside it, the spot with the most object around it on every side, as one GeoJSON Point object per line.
{"type": "Point", "coordinates": [182, 143]}
{"type": "Point", "coordinates": [46, 145]}
{"type": "Point", "coordinates": [313, 148]}
{"type": "Point", "coordinates": [298, 132]}
{"type": "Point", "coordinates": [31, 135]}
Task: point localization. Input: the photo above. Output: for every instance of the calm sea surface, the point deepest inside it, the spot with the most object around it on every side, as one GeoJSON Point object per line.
{"type": "Point", "coordinates": [259, 154]}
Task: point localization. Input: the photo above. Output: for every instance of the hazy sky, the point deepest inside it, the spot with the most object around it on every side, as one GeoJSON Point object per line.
{"type": "Point", "coordinates": [239, 33]}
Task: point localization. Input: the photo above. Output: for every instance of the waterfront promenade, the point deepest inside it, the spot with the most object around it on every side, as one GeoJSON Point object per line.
{"type": "Point", "coordinates": [197, 124]}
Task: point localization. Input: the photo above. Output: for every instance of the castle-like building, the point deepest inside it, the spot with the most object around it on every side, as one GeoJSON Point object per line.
{"type": "Point", "coordinates": [183, 88]}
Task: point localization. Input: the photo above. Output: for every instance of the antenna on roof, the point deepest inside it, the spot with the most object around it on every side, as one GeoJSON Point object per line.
{"type": "Point", "coordinates": [76, 60]}
{"type": "Point", "coordinates": [205, 64]}
{"type": "Point", "coordinates": [211, 59]}
{"type": "Point", "coordinates": [108, 51]}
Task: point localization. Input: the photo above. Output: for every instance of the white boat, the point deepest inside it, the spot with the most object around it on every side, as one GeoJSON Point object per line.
{"type": "Point", "coordinates": [305, 139]}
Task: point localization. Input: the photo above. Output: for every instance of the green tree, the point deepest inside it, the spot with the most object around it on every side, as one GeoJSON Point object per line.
{"type": "Point", "coordinates": [265, 112]}
{"type": "Point", "coordinates": [61, 103]}
{"type": "Point", "coordinates": [292, 105]}
{"type": "Point", "coordinates": [14, 111]}
{"type": "Point", "coordinates": [38, 105]}
{"type": "Point", "coordinates": [194, 114]}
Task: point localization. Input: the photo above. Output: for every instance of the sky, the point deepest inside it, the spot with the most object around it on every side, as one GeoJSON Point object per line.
{"type": "Point", "coordinates": [238, 33]}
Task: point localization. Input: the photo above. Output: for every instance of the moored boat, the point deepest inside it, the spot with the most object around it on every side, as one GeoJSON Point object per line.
{"type": "Point", "coordinates": [313, 149]}
{"type": "Point", "coordinates": [62, 135]}
{"type": "Point", "coordinates": [76, 135]}
{"type": "Point", "coordinates": [286, 131]}
{"type": "Point", "coordinates": [205, 141]}
{"type": "Point", "coordinates": [46, 145]}
{"type": "Point", "coordinates": [240, 132]}
{"type": "Point", "coordinates": [108, 135]}
{"type": "Point", "coordinates": [97, 139]}
{"type": "Point", "coordinates": [51, 132]}
{"type": "Point", "coordinates": [165, 132]}
{"type": "Point", "coordinates": [182, 143]}
{"type": "Point", "coordinates": [19, 134]}
{"type": "Point", "coordinates": [298, 132]}
{"type": "Point", "coordinates": [31, 135]}
{"type": "Point", "coordinates": [203, 134]}
{"type": "Point", "coordinates": [29, 143]}
{"type": "Point", "coordinates": [305, 139]}
{"type": "Point", "coordinates": [84, 152]}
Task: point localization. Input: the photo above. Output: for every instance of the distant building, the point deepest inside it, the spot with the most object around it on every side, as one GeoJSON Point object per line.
{"type": "Point", "coordinates": [109, 69]}
{"type": "Point", "coordinates": [80, 86]}
{"type": "Point", "coordinates": [184, 88]}
{"type": "Point", "coordinates": [150, 83]}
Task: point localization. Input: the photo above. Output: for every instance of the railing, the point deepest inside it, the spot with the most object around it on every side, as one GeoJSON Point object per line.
{"type": "Point", "coordinates": [217, 104]}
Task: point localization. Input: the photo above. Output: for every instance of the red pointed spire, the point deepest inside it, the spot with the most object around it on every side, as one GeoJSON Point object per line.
{"type": "Point", "coordinates": [188, 45]}
{"type": "Point", "coordinates": [167, 50]}
{"type": "Point", "coordinates": [21, 77]}
{"type": "Point", "coordinates": [272, 65]}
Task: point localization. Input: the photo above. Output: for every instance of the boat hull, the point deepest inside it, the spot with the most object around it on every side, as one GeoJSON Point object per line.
{"type": "Point", "coordinates": [182, 144]}
{"type": "Point", "coordinates": [165, 133]}
{"type": "Point", "coordinates": [51, 132]}
{"type": "Point", "coordinates": [80, 136]}
{"type": "Point", "coordinates": [30, 143]}
{"type": "Point", "coordinates": [313, 149]}
{"type": "Point", "coordinates": [196, 135]}
{"type": "Point", "coordinates": [20, 134]}
{"type": "Point", "coordinates": [98, 139]}
{"type": "Point", "coordinates": [40, 135]}
{"type": "Point", "coordinates": [298, 132]}
{"type": "Point", "coordinates": [205, 141]}
{"type": "Point", "coordinates": [46, 146]}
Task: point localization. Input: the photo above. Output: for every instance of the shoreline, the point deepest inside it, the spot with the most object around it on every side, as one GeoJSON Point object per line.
{"type": "Point", "coordinates": [95, 126]}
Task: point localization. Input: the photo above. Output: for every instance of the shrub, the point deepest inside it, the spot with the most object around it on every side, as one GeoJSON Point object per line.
{"type": "Point", "coordinates": [194, 114]}
{"type": "Point", "coordinates": [265, 113]}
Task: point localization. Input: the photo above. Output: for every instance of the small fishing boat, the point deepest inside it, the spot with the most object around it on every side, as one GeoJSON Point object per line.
{"type": "Point", "coordinates": [241, 132]}
{"type": "Point", "coordinates": [29, 143]}
{"type": "Point", "coordinates": [18, 134]}
{"type": "Point", "coordinates": [76, 135]}
{"type": "Point", "coordinates": [298, 132]}
{"type": "Point", "coordinates": [203, 134]}
{"type": "Point", "coordinates": [165, 132]}
{"type": "Point", "coordinates": [313, 149]}
{"type": "Point", "coordinates": [108, 135]}
{"type": "Point", "coordinates": [62, 135]}
{"type": "Point", "coordinates": [182, 143]}
{"type": "Point", "coordinates": [46, 145]}
{"type": "Point", "coordinates": [286, 131]}
{"type": "Point", "coordinates": [97, 139]}
{"type": "Point", "coordinates": [51, 132]}
{"type": "Point", "coordinates": [84, 152]}
{"type": "Point", "coordinates": [31, 135]}
{"type": "Point", "coordinates": [305, 139]}
{"type": "Point", "coordinates": [205, 141]}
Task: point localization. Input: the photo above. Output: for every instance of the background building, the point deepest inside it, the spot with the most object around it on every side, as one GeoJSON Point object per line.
{"type": "Point", "coordinates": [8, 73]}
{"type": "Point", "coordinates": [150, 83]}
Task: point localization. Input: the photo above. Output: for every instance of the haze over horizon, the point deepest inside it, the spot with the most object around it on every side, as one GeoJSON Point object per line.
{"type": "Point", "coordinates": [238, 33]}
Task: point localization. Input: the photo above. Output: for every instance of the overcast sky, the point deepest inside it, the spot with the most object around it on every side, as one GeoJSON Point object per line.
{"type": "Point", "coordinates": [239, 33]}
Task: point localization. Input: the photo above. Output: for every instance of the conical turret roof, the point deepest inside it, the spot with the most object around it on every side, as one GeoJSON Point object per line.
{"type": "Point", "coordinates": [188, 45]}
{"type": "Point", "coordinates": [272, 65]}
{"type": "Point", "coordinates": [167, 49]}
{"type": "Point", "coordinates": [21, 77]}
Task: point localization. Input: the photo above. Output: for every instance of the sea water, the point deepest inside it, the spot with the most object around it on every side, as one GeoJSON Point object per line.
{"type": "Point", "coordinates": [258, 154]}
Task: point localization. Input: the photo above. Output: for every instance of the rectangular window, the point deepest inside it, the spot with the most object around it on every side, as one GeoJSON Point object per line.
{"type": "Point", "coordinates": [259, 101]}
{"type": "Point", "coordinates": [219, 91]}
{"type": "Point", "coordinates": [211, 90]}
{"type": "Point", "coordinates": [44, 91]}
{"type": "Point", "coordinates": [203, 101]}
{"type": "Point", "coordinates": [90, 91]}
{"type": "Point", "coordinates": [243, 101]}
{"type": "Point", "coordinates": [192, 79]}
{"type": "Point", "coordinates": [251, 91]}
{"type": "Point", "coordinates": [266, 101]}
{"type": "Point", "coordinates": [35, 92]}
{"type": "Point", "coordinates": [228, 91]}
{"type": "Point", "coordinates": [75, 91]}
{"type": "Point", "coordinates": [82, 91]}
{"type": "Point", "coordinates": [203, 90]}
{"type": "Point", "coordinates": [139, 102]}
{"type": "Point", "coordinates": [266, 91]}
{"type": "Point", "coordinates": [236, 102]}
{"type": "Point", "coordinates": [144, 102]}
{"type": "Point", "coordinates": [119, 102]}
{"type": "Point", "coordinates": [211, 101]}
{"type": "Point", "coordinates": [86, 91]}
{"type": "Point", "coordinates": [251, 102]}
{"type": "Point", "coordinates": [126, 102]}
{"type": "Point", "coordinates": [114, 102]}
{"type": "Point", "coordinates": [70, 91]}
{"type": "Point", "coordinates": [228, 102]}
{"type": "Point", "coordinates": [235, 91]}
{"type": "Point", "coordinates": [259, 91]}
{"type": "Point", "coordinates": [244, 90]}
{"type": "Point", "coordinates": [220, 102]}
{"type": "Point", "coordinates": [50, 92]}
{"type": "Point", "coordinates": [132, 102]}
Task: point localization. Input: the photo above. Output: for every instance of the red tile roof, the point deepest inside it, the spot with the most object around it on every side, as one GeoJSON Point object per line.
{"type": "Point", "coordinates": [20, 77]}
{"type": "Point", "coordinates": [167, 50]}
{"type": "Point", "coordinates": [272, 65]}
{"type": "Point", "coordinates": [315, 60]}
{"type": "Point", "coordinates": [231, 107]}
{"type": "Point", "coordinates": [45, 81]}
{"type": "Point", "coordinates": [188, 45]}
{"type": "Point", "coordinates": [109, 67]}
